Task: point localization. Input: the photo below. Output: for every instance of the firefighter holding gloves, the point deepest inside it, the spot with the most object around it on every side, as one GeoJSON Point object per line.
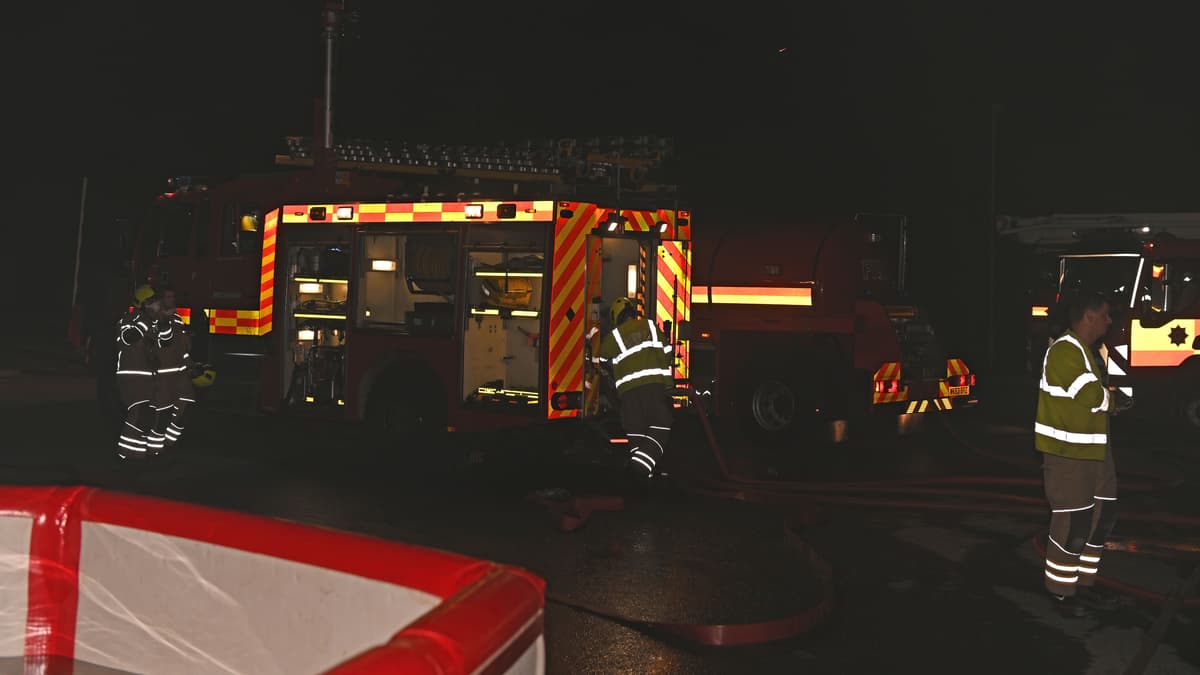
{"type": "Point", "coordinates": [641, 362]}
{"type": "Point", "coordinates": [173, 391]}
{"type": "Point", "coordinates": [1078, 471]}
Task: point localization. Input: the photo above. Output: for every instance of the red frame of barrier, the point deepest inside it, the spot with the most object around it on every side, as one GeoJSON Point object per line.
{"type": "Point", "coordinates": [489, 616]}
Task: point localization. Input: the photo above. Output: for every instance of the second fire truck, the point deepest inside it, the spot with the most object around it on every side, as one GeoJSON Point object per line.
{"type": "Point", "coordinates": [797, 326]}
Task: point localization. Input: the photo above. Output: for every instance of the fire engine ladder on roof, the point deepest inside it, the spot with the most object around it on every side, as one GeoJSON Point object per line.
{"type": "Point", "coordinates": [1062, 229]}
{"type": "Point", "coordinates": [580, 168]}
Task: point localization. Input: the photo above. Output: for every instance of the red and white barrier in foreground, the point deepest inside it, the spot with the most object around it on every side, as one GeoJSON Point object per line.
{"type": "Point", "coordinates": [105, 582]}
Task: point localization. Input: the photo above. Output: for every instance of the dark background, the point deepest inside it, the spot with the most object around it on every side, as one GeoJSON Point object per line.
{"type": "Point", "coordinates": [780, 112]}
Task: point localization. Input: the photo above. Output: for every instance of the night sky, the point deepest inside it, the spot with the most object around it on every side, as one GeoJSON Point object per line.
{"type": "Point", "coordinates": [790, 112]}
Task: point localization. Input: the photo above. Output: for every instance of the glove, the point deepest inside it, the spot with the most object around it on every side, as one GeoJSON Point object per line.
{"type": "Point", "coordinates": [1120, 402]}
{"type": "Point", "coordinates": [131, 335]}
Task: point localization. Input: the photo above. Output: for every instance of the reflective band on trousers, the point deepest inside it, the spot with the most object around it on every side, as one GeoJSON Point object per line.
{"type": "Point", "coordinates": [1069, 436]}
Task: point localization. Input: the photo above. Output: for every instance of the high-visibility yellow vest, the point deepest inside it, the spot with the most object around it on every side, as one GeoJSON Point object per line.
{"type": "Point", "coordinates": [638, 355]}
{"type": "Point", "coordinates": [1073, 404]}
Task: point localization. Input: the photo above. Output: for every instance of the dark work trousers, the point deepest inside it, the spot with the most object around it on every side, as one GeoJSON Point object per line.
{"type": "Point", "coordinates": [1083, 509]}
{"type": "Point", "coordinates": [136, 392]}
{"type": "Point", "coordinates": [646, 417]}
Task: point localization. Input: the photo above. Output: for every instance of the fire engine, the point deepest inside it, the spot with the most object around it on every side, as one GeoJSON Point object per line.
{"type": "Point", "coordinates": [425, 287]}
{"type": "Point", "coordinates": [1148, 264]}
{"type": "Point", "coordinates": [794, 326]}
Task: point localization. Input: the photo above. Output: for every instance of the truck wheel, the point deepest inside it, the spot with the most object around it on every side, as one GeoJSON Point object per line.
{"type": "Point", "coordinates": [1191, 411]}
{"type": "Point", "coordinates": [777, 410]}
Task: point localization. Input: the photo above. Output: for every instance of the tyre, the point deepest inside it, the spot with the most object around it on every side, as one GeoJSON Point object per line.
{"type": "Point", "coordinates": [1190, 411]}
{"type": "Point", "coordinates": [782, 408]}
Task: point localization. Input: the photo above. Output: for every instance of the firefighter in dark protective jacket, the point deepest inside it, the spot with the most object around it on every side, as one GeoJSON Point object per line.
{"type": "Point", "coordinates": [173, 391]}
{"type": "Point", "coordinates": [641, 361]}
{"type": "Point", "coordinates": [1071, 432]}
{"type": "Point", "coordinates": [136, 363]}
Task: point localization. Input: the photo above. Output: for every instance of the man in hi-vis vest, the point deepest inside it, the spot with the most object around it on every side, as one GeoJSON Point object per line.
{"type": "Point", "coordinates": [1078, 471]}
{"type": "Point", "coordinates": [641, 358]}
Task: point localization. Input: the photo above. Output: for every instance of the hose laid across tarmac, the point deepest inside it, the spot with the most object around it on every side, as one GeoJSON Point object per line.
{"type": "Point", "coordinates": [802, 497]}
{"type": "Point", "coordinates": [785, 493]}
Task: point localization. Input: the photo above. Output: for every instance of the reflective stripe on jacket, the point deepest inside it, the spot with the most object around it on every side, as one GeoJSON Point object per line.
{"type": "Point", "coordinates": [1072, 413]}
{"type": "Point", "coordinates": [638, 356]}
{"type": "Point", "coordinates": [133, 343]}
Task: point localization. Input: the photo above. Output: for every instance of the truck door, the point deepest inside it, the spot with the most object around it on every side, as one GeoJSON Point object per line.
{"type": "Point", "coordinates": [617, 266]}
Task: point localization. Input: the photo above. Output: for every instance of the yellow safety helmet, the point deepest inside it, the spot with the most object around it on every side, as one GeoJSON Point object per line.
{"type": "Point", "coordinates": [618, 306]}
{"type": "Point", "coordinates": [141, 294]}
{"type": "Point", "coordinates": [205, 378]}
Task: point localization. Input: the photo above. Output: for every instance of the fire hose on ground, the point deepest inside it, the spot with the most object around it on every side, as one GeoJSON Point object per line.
{"type": "Point", "coordinates": [908, 493]}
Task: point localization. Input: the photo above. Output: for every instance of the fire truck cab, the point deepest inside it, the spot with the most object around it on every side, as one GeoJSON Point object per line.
{"type": "Point", "coordinates": [1149, 266]}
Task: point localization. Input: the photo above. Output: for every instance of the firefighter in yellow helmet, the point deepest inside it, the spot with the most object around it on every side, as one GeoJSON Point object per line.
{"type": "Point", "coordinates": [141, 294]}
{"type": "Point", "coordinates": [641, 359]}
{"type": "Point", "coordinates": [136, 365]}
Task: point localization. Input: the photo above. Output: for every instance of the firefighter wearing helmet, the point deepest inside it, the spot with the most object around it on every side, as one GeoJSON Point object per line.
{"type": "Point", "coordinates": [137, 361]}
{"type": "Point", "coordinates": [641, 360]}
{"type": "Point", "coordinates": [173, 388]}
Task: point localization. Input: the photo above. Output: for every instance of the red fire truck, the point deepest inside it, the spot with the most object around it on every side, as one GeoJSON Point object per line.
{"type": "Point", "coordinates": [795, 326]}
{"type": "Point", "coordinates": [432, 304]}
{"type": "Point", "coordinates": [1149, 264]}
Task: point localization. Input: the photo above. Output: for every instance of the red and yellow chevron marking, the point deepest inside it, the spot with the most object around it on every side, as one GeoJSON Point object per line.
{"type": "Point", "coordinates": [1168, 345]}
{"type": "Point", "coordinates": [642, 268]}
{"type": "Point", "coordinates": [266, 277]}
{"type": "Point", "coordinates": [675, 294]}
{"type": "Point", "coordinates": [650, 221]}
{"type": "Point", "coordinates": [249, 321]}
{"type": "Point", "coordinates": [594, 321]}
{"type": "Point", "coordinates": [568, 304]}
{"type": "Point", "coordinates": [954, 367]}
{"type": "Point", "coordinates": [418, 212]}
{"type": "Point", "coordinates": [889, 371]}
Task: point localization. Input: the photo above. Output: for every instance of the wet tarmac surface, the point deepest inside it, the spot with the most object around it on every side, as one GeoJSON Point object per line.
{"type": "Point", "coordinates": [934, 586]}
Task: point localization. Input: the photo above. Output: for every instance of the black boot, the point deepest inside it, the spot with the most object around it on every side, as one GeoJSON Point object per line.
{"type": "Point", "coordinates": [1097, 599]}
{"type": "Point", "coordinates": [1069, 608]}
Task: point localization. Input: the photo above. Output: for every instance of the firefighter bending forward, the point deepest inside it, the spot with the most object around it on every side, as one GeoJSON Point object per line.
{"type": "Point", "coordinates": [135, 375]}
{"type": "Point", "coordinates": [1078, 471]}
{"type": "Point", "coordinates": [641, 370]}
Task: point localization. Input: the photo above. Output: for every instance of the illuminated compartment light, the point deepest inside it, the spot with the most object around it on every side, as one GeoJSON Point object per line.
{"type": "Point", "coordinates": [509, 274]}
{"type": "Point", "coordinates": [473, 210]}
{"type": "Point", "coordinates": [383, 265]}
{"type": "Point", "coordinates": [306, 334]}
{"type": "Point", "coordinates": [662, 228]}
{"type": "Point", "coordinates": [320, 316]}
{"type": "Point", "coordinates": [309, 399]}
{"type": "Point", "coordinates": [345, 212]}
{"type": "Point", "coordinates": [1039, 310]}
{"type": "Point", "coordinates": [341, 402]}
{"type": "Point", "coordinates": [486, 312]}
{"type": "Point", "coordinates": [524, 312]}
{"type": "Point", "coordinates": [631, 281]}
{"type": "Point", "coordinates": [310, 287]}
